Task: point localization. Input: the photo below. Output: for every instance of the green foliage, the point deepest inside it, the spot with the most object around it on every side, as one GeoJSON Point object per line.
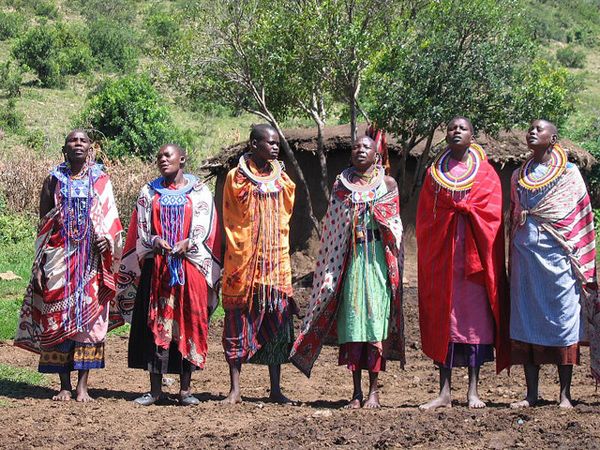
{"type": "Point", "coordinates": [37, 140]}
{"type": "Point", "coordinates": [20, 375]}
{"type": "Point", "coordinates": [121, 11]}
{"type": "Point", "coordinates": [478, 65]}
{"type": "Point", "coordinates": [11, 78]}
{"type": "Point", "coordinates": [571, 57]}
{"type": "Point", "coordinates": [10, 118]}
{"type": "Point", "coordinates": [11, 24]}
{"type": "Point", "coordinates": [163, 29]}
{"type": "Point", "coordinates": [542, 91]}
{"type": "Point", "coordinates": [15, 229]}
{"type": "Point", "coordinates": [113, 45]}
{"type": "Point", "coordinates": [9, 315]}
{"type": "Point", "coordinates": [575, 21]}
{"type": "Point", "coordinates": [54, 51]}
{"type": "Point", "coordinates": [133, 117]}
{"type": "Point", "coordinates": [42, 8]}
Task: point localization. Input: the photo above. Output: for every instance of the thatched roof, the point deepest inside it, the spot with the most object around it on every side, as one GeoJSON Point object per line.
{"type": "Point", "coordinates": [508, 147]}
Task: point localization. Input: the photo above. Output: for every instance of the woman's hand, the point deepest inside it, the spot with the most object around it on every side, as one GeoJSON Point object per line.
{"type": "Point", "coordinates": [160, 246]}
{"type": "Point", "coordinates": [180, 248]}
{"type": "Point", "coordinates": [38, 279]}
{"type": "Point", "coordinates": [102, 244]}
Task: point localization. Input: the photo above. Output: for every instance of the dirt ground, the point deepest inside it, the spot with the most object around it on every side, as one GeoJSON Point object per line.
{"type": "Point", "coordinates": [30, 419]}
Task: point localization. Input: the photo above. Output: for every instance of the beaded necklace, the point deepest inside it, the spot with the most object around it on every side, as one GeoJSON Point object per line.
{"type": "Point", "coordinates": [76, 197]}
{"type": "Point", "coordinates": [265, 183]}
{"type": "Point", "coordinates": [440, 169]}
{"type": "Point", "coordinates": [556, 166]}
{"type": "Point", "coordinates": [172, 212]}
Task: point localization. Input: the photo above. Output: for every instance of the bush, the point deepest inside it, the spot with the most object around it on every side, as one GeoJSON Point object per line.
{"type": "Point", "coordinates": [113, 45]}
{"type": "Point", "coordinates": [53, 51]}
{"type": "Point", "coordinates": [570, 57]}
{"type": "Point", "coordinates": [11, 24]}
{"type": "Point", "coordinates": [163, 29]}
{"type": "Point", "coordinates": [37, 140]}
{"type": "Point", "coordinates": [133, 117]}
{"type": "Point", "coordinates": [15, 228]}
{"type": "Point", "coordinates": [121, 11]}
{"type": "Point", "coordinates": [11, 77]}
{"type": "Point", "coordinates": [45, 8]}
{"type": "Point", "coordinates": [11, 119]}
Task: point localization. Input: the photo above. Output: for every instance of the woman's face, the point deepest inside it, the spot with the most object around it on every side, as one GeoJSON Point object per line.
{"type": "Point", "coordinates": [169, 160]}
{"type": "Point", "coordinates": [363, 153]}
{"type": "Point", "coordinates": [458, 134]}
{"type": "Point", "coordinates": [541, 135]}
{"type": "Point", "coordinates": [77, 147]}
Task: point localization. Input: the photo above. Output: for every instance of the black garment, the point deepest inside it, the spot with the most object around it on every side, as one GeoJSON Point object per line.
{"type": "Point", "coordinates": [143, 353]}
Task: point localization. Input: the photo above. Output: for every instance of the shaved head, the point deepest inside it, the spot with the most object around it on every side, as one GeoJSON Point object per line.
{"type": "Point", "coordinates": [549, 124]}
{"type": "Point", "coordinates": [260, 131]}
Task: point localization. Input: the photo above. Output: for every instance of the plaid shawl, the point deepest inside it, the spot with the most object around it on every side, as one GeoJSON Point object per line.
{"type": "Point", "coordinates": [320, 321]}
{"type": "Point", "coordinates": [565, 213]}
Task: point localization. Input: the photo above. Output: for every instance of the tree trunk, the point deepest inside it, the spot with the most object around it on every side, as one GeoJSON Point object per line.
{"type": "Point", "coordinates": [302, 181]}
{"type": "Point", "coordinates": [401, 174]}
{"type": "Point", "coordinates": [324, 181]}
{"type": "Point", "coordinates": [423, 158]}
{"type": "Point", "coordinates": [353, 114]}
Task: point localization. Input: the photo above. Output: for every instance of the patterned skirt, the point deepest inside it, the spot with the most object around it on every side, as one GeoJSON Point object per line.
{"type": "Point", "coordinates": [71, 355]}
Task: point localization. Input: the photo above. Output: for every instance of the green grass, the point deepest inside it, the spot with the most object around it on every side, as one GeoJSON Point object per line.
{"type": "Point", "coordinates": [22, 376]}
{"type": "Point", "coordinates": [9, 316]}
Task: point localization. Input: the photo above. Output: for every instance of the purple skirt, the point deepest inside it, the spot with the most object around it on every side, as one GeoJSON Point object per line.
{"type": "Point", "coordinates": [467, 355]}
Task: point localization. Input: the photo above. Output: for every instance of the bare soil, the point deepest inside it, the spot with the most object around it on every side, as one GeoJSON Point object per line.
{"type": "Point", "coordinates": [28, 418]}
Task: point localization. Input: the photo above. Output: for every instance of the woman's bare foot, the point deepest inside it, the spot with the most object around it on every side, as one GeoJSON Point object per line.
{"type": "Point", "coordinates": [442, 401]}
{"type": "Point", "coordinates": [278, 397]}
{"type": "Point", "coordinates": [63, 396]}
{"type": "Point", "coordinates": [475, 402]}
{"type": "Point", "coordinates": [83, 396]}
{"type": "Point", "coordinates": [233, 398]}
{"type": "Point", "coordinates": [565, 402]}
{"type": "Point", "coordinates": [373, 401]}
{"type": "Point", "coordinates": [355, 402]}
{"type": "Point", "coordinates": [527, 403]}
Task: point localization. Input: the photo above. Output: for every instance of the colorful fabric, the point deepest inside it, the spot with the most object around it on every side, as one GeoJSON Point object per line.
{"type": "Point", "coordinates": [70, 355]}
{"type": "Point", "coordinates": [362, 356]}
{"type": "Point", "coordinates": [438, 215]}
{"type": "Point", "coordinates": [364, 311]}
{"type": "Point", "coordinates": [467, 355]}
{"type": "Point", "coordinates": [471, 320]}
{"type": "Point", "coordinates": [552, 236]}
{"type": "Point", "coordinates": [256, 216]}
{"type": "Point", "coordinates": [176, 312]}
{"type": "Point", "coordinates": [338, 236]}
{"type": "Point", "coordinates": [79, 282]}
{"type": "Point", "coordinates": [258, 335]}
{"type": "Point", "coordinates": [526, 353]}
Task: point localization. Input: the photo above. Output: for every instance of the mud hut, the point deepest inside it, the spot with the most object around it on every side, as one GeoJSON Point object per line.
{"type": "Point", "coordinates": [506, 152]}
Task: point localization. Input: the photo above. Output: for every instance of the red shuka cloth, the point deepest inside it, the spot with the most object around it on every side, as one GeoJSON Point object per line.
{"type": "Point", "coordinates": [437, 216]}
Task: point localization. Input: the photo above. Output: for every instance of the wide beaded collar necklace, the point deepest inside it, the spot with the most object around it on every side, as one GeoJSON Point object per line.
{"type": "Point", "coordinates": [440, 169]}
{"type": "Point", "coordinates": [556, 166]}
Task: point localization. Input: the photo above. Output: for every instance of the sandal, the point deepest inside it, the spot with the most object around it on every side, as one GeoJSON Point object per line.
{"type": "Point", "coordinates": [146, 400]}
{"type": "Point", "coordinates": [188, 400]}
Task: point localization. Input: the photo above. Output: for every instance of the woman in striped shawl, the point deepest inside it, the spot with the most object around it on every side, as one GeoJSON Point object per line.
{"type": "Point", "coordinates": [552, 262]}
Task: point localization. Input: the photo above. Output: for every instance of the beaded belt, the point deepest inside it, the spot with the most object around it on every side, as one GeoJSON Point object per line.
{"type": "Point", "coordinates": [367, 236]}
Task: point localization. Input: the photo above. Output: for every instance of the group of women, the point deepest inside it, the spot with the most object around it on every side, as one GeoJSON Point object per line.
{"type": "Point", "coordinates": [167, 279]}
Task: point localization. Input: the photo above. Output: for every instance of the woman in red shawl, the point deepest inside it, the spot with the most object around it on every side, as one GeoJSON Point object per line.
{"type": "Point", "coordinates": [462, 280]}
{"type": "Point", "coordinates": [169, 275]}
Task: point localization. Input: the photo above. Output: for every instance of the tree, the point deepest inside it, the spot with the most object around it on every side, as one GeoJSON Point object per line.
{"type": "Point", "coordinates": [461, 58]}
{"type": "Point", "coordinates": [232, 53]}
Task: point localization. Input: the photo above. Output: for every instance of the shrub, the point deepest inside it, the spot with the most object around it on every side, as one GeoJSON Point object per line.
{"type": "Point", "coordinates": [11, 77]}
{"type": "Point", "coordinates": [163, 29]}
{"type": "Point", "coordinates": [11, 119]}
{"type": "Point", "coordinates": [45, 8]}
{"type": "Point", "coordinates": [15, 228]}
{"type": "Point", "coordinates": [113, 45]}
{"type": "Point", "coordinates": [11, 24]}
{"type": "Point", "coordinates": [570, 57]}
{"type": "Point", "coordinates": [133, 117]}
{"type": "Point", "coordinates": [53, 51]}
{"type": "Point", "coordinates": [37, 140]}
{"type": "Point", "coordinates": [122, 11]}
